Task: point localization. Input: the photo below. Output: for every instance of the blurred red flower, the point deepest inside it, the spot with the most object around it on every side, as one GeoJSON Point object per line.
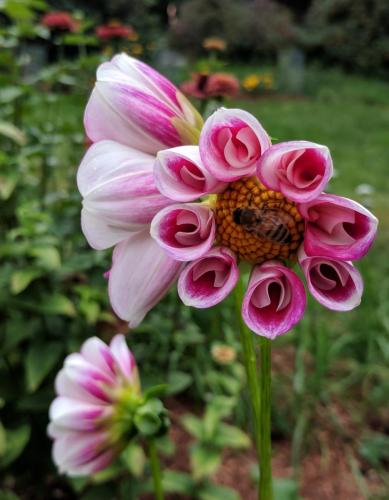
{"type": "Point", "coordinates": [60, 20]}
{"type": "Point", "coordinates": [204, 86]}
{"type": "Point", "coordinates": [113, 30]}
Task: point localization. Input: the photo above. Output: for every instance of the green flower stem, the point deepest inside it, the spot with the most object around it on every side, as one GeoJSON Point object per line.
{"type": "Point", "coordinates": [265, 480]}
{"type": "Point", "coordinates": [155, 470]}
{"type": "Point", "coordinates": [250, 361]}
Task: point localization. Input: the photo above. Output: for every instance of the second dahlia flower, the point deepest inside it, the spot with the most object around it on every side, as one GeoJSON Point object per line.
{"type": "Point", "coordinates": [197, 211]}
{"type": "Point", "coordinates": [97, 391]}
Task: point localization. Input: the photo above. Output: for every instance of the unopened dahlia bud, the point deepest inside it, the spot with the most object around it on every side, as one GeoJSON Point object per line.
{"type": "Point", "coordinates": [99, 407]}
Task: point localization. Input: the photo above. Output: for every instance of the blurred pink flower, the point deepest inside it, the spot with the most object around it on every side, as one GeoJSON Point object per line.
{"type": "Point", "coordinates": [204, 86]}
{"type": "Point", "coordinates": [195, 212]}
{"type": "Point", "coordinates": [60, 20]}
{"type": "Point", "coordinates": [95, 388]}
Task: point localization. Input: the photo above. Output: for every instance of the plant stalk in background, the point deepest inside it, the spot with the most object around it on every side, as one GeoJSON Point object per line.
{"type": "Point", "coordinates": [155, 470]}
{"type": "Point", "coordinates": [256, 392]}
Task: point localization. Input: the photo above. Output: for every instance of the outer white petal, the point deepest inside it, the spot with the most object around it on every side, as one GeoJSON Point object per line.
{"type": "Point", "coordinates": [140, 276]}
{"type": "Point", "coordinates": [119, 193]}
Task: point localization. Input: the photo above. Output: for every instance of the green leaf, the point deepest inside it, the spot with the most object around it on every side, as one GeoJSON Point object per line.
{"type": "Point", "coordinates": [8, 495]}
{"type": "Point", "coordinates": [205, 460]}
{"type": "Point", "coordinates": [3, 440]}
{"type": "Point", "coordinates": [8, 184]}
{"type": "Point", "coordinates": [155, 391]}
{"type": "Point", "coordinates": [148, 417]}
{"type": "Point", "coordinates": [41, 358]}
{"type": "Point", "coordinates": [135, 459]}
{"type": "Point", "coordinates": [285, 489]}
{"type": "Point", "coordinates": [178, 382]}
{"type": "Point", "coordinates": [193, 425]}
{"type": "Point", "coordinates": [177, 482]}
{"type": "Point", "coordinates": [374, 448]}
{"type": "Point", "coordinates": [57, 304]}
{"type": "Point", "coordinates": [47, 257]}
{"type": "Point", "coordinates": [21, 279]}
{"type": "Point", "coordinates": [212, 491]}
{"type": "Point", "coordinates": [11, 132]}
{"type": "Point", "coordinates": [230, 436]}
{"type": "Point", "coordinates": [17, 439]}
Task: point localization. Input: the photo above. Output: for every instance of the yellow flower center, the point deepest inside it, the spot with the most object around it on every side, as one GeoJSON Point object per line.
{"type": "Point", "coordinates": [256, 223]}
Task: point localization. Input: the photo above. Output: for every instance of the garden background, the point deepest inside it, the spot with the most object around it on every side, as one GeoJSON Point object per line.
{"type": "Point", "coordinates": [312, 69]}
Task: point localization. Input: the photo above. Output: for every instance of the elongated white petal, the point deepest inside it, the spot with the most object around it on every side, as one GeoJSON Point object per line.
{"type": "Point", "coordinates": [140, 276]}
{"type": "Point", "coordinates": [119, 193]}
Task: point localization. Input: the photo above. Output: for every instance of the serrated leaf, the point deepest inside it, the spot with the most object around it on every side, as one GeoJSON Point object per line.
{"type": "Point", "coordinates": [14, 133]}
{"type": "Point", "coordinates": [47, 257]}
{"type": "Point", "coordinates": [231, 437]}
{"type": "Point", "coordinates": [22, 278]}
{"type": "Point", "coordinates": [178, 382]}
{"type": "Point", "coordinates": [177, 482]}
{"type": "Point", "coordinates": [8, 184]}
{"type": "Point", "coordinates": [205, 460]}
{"type": "Point", "coordinates": [135, 459]}
{"type": "Point", "coordinates": [16, 440]}
{"type": "Point", "coordinates": [41, 358]}
{"type": "Point", "coordinates": [8, 495]}
{"type": "Point", "coordinates": [193, 425]}
{"type": "Point", "coordinates": [212, 491]}
{"type": "Point", "coordinates": [58, 304]}
{"type": "Point", "coordinates": [285, 489]}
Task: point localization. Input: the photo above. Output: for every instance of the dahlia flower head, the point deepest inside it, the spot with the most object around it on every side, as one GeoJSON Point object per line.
{"type": "Point", "coordinates": [113, 30]}
{"type": "Point", "coordinates": [98, 390]}
{"type": "Point", "coordinates": [60, 20]}
{"type": "Point", "coordinates": [179, 199]}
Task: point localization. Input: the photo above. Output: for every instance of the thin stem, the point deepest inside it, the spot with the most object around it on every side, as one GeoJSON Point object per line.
{"type": "Point", "coordinates": [155, 470]}
{"type": "Point", "coordinates": [265, 480]}
{"type": "Point", "coordinates": [250, 362]}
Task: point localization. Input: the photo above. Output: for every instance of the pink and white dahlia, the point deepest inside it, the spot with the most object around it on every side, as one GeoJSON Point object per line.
{"type": "Point", "coordinates": [97, 389]}
{"type": "Point", "coordinates": [195, 212]}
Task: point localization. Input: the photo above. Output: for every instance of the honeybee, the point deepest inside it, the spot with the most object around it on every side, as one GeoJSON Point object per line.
{"type": "Point", "coordinates": [267, 223]}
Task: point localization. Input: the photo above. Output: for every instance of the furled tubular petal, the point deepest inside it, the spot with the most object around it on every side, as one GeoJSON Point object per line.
{"type": "Point", "coordinates": [300, 170]}
{"type": "Point", "coordinates": [274, 301]}
{"type": "Point", "coordinates": [180, 174]}
{"type": "Point", "coordinates": [336, 284]}
{"type": "Point", "coordinates": [337, 227]}
{"type": "Point", "coordinates": [208, 280]}
{"type": "Point", "coordinates": [231, 143]}
{"type": "Point", "coordinates": [186, 232]}
{"type": "Point", "coordinates": [119, 193]}
{"type": "Point", "coordinates": [140, 276]}
{"type": "Point", "coordinates": [133, 104]}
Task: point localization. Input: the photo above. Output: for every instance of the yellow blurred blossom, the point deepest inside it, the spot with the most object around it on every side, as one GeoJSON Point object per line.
{"type": "Point", "coordinates": [133, 37]}
{"type": "Point", "coordinates": [223, 354]}
{"type": "Point", "coordinates": [136, 49]}
{"type": "Point", "coordinates": [214, 43]}
{"type": "Point", "coordinates": [251, 82]}
{"type": "Point", "coordinates": [254, 81]}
